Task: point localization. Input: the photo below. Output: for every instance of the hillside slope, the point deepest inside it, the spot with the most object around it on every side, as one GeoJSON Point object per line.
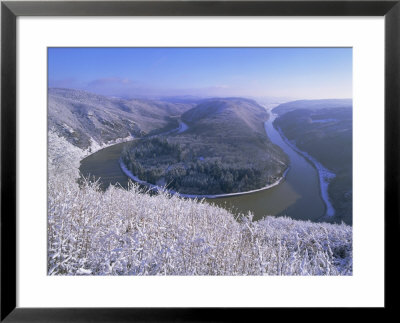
{"type": "Point", "coordinates": [224, 150]}
{"type": "Point", "coordinates": [236, 117]}
{"type": "Point", "coordinates": [83, 117]}
{"type": "Point", "coordinates": [236, 126]}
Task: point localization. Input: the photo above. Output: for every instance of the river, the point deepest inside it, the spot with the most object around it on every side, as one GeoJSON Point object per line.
{"type": "Point", "coordinates": [298, 196]}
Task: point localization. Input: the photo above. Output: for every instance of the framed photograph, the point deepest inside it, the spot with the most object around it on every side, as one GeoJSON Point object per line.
{"type": "Point", "coordinates": [180, 155]}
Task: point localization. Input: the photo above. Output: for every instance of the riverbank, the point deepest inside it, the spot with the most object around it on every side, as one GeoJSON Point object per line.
{"type": "Point", "coordinates": [324, 175]}
{"type": "Point", "coordinates": [95, 147]}
{"type": "Point", "coordinates": [128, 173]}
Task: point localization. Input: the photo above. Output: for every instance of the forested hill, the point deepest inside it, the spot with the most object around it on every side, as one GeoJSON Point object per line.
{"type": "Point", "coordinates": [232, 127]}
{"type": "Point", "coordinates": [224, 150]}
{"type": "Point", "coordinates": [82, 117]}
{"type": "Point", "coordinates": [236, 117]}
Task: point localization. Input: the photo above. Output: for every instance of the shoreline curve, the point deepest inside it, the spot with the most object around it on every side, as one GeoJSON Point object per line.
{"type": "Point", "coordinates": [128, 173]}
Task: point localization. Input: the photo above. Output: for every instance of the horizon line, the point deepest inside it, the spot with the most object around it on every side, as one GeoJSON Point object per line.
{"type": "Point", "coordinates": [288, 99]}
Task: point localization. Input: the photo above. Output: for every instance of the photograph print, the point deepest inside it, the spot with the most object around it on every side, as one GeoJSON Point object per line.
{"type": "Point", "coordinates": [199, 161]}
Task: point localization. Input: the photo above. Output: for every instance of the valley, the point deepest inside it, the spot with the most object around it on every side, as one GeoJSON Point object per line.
{"type": "Point", "coordinates": [219, 149]}
{"type": "Point", "coordinates": [196, 161]}
{"type": "Point", "coordinates": [222, 149]}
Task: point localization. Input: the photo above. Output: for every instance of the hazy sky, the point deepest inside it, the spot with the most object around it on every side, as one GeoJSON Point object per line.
{"type": "Point", "coordinates": [257, 72]}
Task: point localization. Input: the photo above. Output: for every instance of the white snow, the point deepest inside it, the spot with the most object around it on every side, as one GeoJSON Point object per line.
{"type": "Point", "coordinates": [82, 271]}
{"type": "Point", "coordinates": [70, 130]}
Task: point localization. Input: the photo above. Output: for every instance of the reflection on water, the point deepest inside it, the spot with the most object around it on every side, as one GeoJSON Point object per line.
{"type": "Point", "coordinates": [298, 196]}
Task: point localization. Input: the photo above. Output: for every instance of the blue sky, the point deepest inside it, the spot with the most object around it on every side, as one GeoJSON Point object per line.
{"type": "Point", "coordinates": [309, 73]}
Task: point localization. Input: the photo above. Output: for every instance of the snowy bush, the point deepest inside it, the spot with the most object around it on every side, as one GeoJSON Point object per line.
{"type": "Point", "coordinates": [129, 232]}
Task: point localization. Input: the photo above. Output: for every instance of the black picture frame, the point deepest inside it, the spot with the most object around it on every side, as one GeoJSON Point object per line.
{"type": "Point", "coordinates": [10, 10]}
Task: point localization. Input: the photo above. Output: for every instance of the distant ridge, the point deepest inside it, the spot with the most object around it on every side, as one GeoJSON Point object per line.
{"type": "Point", "coordinates": [313, 105]}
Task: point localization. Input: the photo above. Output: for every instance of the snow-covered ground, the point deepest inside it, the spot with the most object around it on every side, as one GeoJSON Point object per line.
{"type": "Point", "coordinates": [324, 175]}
